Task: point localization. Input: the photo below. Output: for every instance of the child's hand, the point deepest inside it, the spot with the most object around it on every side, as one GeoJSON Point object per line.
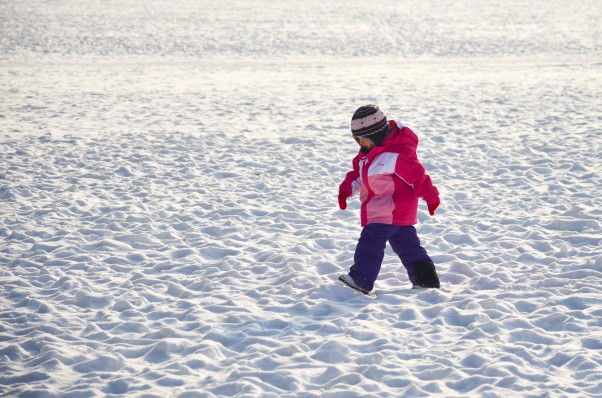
{"type": "Point", "coordinates": [345, 191]}
{"type": "Point", "coordinates": [343, 200]}
{"type": "Point", "coordinates": [433, 206]}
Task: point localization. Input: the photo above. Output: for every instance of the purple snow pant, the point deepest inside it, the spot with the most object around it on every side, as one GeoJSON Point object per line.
{"type": "Point", "coordinates": [370, 251]}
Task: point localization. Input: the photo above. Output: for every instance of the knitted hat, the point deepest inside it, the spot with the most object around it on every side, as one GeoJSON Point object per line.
{"type": "Point", "coordinates": [370, 122]}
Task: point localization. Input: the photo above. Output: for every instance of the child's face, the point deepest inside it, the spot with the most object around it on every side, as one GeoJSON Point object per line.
{"type": "Point", "coordinates": [365, 143]}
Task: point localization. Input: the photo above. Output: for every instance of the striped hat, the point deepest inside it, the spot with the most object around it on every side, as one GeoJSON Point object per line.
{"type": "Point", "coordinates": [369, 120]}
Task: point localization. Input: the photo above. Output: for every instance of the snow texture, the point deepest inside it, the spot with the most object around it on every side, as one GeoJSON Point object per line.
{"type": "Point", "coordinates": [168, 214]}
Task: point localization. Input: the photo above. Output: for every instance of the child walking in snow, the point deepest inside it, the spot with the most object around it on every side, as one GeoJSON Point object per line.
{"type": "Point", "coordinates": [390, 179]}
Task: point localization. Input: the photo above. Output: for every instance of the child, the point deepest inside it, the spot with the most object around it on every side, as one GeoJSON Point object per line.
{"type": "Point", "coordinates": [390, 179]}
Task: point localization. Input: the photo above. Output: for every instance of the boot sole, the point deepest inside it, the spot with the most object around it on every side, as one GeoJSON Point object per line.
{"type": "Point", "coordinates": [359, 289]}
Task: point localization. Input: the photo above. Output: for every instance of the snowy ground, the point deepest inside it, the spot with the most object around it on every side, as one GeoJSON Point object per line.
{"type": "Point", "coordinates": [168, 216]}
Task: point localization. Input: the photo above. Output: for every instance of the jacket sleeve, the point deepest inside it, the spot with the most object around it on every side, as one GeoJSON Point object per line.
{"type": "Point", "coordinates": [412, 172]}
{"type": "Point", "coordinates": [352, 182]}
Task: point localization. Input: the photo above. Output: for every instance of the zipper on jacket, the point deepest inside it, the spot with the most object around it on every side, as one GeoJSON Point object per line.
{"type": "Point", "coordinates": [365, 169]}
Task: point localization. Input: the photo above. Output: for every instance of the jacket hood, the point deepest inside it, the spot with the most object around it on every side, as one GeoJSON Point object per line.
{"type": "Point", "coordinates": [401, 136]}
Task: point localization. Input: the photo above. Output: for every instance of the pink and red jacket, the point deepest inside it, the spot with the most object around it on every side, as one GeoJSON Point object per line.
{"type": "Point", "coordinates": [390, 179]}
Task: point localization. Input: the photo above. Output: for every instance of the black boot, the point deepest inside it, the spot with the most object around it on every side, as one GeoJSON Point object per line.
{"type": "Point", "coordinates": [426, 275]}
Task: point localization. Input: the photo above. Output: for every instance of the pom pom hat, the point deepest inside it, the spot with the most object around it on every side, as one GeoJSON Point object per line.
{"type": "Point", "coordinates": [370, 122]}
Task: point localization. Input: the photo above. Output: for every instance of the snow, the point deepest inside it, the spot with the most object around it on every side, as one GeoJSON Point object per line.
{"type": "Point", "coordinates": [168, 216]}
